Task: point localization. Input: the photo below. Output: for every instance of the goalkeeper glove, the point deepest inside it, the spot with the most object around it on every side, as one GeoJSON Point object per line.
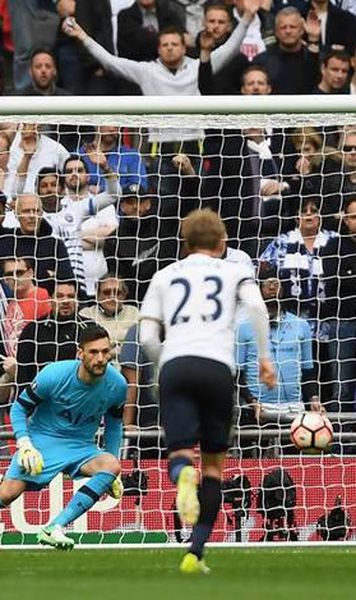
{"type": "Point", "coordinates": [29, 458]}
{"type": "Point", "coordinates": [117, 489]}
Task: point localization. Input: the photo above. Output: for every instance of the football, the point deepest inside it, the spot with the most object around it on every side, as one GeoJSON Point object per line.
{"type": "Point", "coordinates": [311, 432]}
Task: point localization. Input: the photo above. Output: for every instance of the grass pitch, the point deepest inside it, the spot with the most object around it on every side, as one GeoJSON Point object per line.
{"type": "Point", "coordinates": [241, 574]}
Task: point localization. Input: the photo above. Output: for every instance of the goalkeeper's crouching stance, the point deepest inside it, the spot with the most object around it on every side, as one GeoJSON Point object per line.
{"type": "Point", "coordinates": [55, 421]}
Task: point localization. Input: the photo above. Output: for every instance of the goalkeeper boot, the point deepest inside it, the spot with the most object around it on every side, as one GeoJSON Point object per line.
{"type": "Point", "coordinates": [191, 565]}
{"type": "Point", "coordinates": [187, 495]}
{"type": "Point", "coordinates": [53, 535]}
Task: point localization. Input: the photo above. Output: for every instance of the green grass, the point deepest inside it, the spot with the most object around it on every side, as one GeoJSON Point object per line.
{"type": "Point", "coordinates": [241, 574]}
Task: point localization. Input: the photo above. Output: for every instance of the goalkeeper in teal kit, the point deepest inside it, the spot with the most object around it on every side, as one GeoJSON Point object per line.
{"type": "Point", "coordinates": [55, 421]}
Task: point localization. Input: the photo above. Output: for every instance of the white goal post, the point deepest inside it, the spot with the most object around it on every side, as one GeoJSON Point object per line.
{"type": "Point", "coordinates": [320, 483]}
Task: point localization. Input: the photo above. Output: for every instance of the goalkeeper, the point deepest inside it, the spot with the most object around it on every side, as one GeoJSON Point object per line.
{"type": "Point", "coordinates": [66, 402]}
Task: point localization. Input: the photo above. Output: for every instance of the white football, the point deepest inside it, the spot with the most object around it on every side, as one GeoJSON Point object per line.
{"type": "Point", "coordinates": [311, 432]}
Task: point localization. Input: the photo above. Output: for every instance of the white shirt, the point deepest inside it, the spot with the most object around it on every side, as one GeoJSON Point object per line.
{"type": "Point", "coordinates": [155, 79]}
{"type": "Point", "coordinates": [253, 43]}
{"type": "Point", "coordinates": [49, 153]}
{"type": "Point", "coordinates": [67, 224]}
{"type": "Point", "coordinates": [94, 261]}
{"type": "Point", "coordinates": [196, 299]}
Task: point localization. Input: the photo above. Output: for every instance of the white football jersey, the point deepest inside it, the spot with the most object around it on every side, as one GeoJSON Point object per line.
{"type": "Point", "coordinates": [196, 300]}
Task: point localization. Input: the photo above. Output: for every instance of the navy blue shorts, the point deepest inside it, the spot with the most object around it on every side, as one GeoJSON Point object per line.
{"type": "Point", "coordinates": [197, 397]}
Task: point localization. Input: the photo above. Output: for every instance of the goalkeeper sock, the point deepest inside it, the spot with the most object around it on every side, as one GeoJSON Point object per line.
{"type": "Point", "coordinates": [85, 498]}
{"type": "Point", "coordinates": [210, 500]}
{"type": "Point", "coordinates": [175, 466]}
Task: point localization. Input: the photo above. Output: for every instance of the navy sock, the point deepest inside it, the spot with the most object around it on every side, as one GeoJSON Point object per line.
{"type": "Point", "coordinates": [85, 498]}
{"type": "Point", "coordinates": [175, 466]}
{"type": "Point", "coordinates": [210, 500]}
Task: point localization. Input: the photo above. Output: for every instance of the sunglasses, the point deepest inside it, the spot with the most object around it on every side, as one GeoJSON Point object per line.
{"type": "Point", "coordinates": [349, 148]}
{"type": "Point", "coordinates": [17, 273]}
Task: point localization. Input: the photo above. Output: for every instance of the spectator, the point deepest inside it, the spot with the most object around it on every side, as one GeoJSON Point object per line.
{"type": "Point", "coordinates": [192, 14]}
{"type": "Point", "coordinates": [25, 33]}
{"type": "Point", "coordinates": [111, 311]}
{"type": "Point", "coordinates": [293, 68]}
{"type": "Point", "coordinates": [145, 240]}
{"type": "Point", "coordinates": [50, 190]}
{"type": "Point", "coordinates": [339, 267]}
{"type": "Point", "coordinates": [138, 27]}
{"type": "Point", "coordinates": [218, 23]}
{"type": "Point", "coordinates": [7, 381]}
{"type": "Point", "coordinates": [51, 338]}
{"type": "Point", "coordinates": [335, 71]}
{"type": "Point", "coordinates": [29, 152]}
{"type": "Point", "coordinates": [77, 205]}
{"type": "Point", "coordinates": [309, 169]}
{"type": "Point", "coordinates": [353, 79]}
{"type": "Point", "coordinates": [338, 27]}
{"type": "Point", "coordinates": [125, 162]}
{"type": "Point", "coordinates": [155, 77]}
{"type": "Point", "coordinates": [255, 81]}
{"type": "Point", "coordinates": [343, 181]}
{"type": "Point", "coordinates": [5, 143]}
{"type": "Point", "coordinates": [34, 239]}
{"type": "Point", "coordinates": [291, 352]}
{"type": "Point", "coordinates": [28, 301]}
{"type": "Point", "coordinates": [253, 43]}
{"type": "Point", "coordinates": [79, 73]}
{"type": "Point", "coordinates": [297, 257]}
{"type": "Point", "coordinates": [43, 73]}
{"type": "Point", "coordinates": [141, 408]}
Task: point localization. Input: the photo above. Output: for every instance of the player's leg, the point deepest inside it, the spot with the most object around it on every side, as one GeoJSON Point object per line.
{"type": "Point", "coordinates": [209, 500]}
{"type": "Point", "coordinates": [10, 489]}
{"type": "Point", "coordinates": [180, 419]}
{"type": "Point", "coordinates": [216, 404]}
{"type": "Point", "coordinates": [102, 469]}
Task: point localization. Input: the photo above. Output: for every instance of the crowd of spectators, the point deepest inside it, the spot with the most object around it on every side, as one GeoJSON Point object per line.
{"type": "Point", "coordinates": [88, 214]}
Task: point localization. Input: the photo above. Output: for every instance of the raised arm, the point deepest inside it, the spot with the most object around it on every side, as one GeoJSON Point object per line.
{"type": "Point", "coordinates": [124, 67]}
{"type": "Point", "coordinates": [222, 55]}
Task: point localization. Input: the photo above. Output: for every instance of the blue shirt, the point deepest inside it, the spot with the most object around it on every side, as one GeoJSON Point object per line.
{"type": "Point", "coordinates": [291, 353]}
{"type": "Point", "coordinates": [64, 406]}
{"type": "Point", "coordinates": [124, 161]}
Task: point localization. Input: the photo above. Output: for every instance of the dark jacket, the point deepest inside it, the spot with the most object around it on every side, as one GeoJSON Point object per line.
{"type": "Point", "coordinates": [340, 28]}
{"type": "Point", "coordinates": [339, 267]}
{"type": "Point", "coordinates": [32, 90]}
{"type": "Point", "coordinates": [290, 72]}
{"type": "Point", "coordinates": [48, 254]}
{"type": "Point", "coordinates": [227, 80]}
{"type": "Point", "coordinates": [95, 18]}
{"type": "Point", "coordinates": [140, 247]}
{"type": "Point", "coordinates": [45, 341]}
{"type": "Point", "coordinates": [135, 41]}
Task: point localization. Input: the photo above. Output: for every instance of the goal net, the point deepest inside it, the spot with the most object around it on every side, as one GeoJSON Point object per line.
{"type": "Point", "coordinates": [93, 194]}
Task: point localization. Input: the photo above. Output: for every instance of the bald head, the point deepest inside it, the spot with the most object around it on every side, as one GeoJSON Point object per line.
{"type": "Point", "coordinates": [29, 213]}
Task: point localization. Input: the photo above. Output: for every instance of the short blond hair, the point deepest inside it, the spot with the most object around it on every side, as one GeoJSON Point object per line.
{"type": "Point", "coordinates": [203, 229]}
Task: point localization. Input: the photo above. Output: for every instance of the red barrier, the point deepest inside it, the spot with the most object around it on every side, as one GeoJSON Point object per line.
{"type": "Point", "coordinates": [319, 480]}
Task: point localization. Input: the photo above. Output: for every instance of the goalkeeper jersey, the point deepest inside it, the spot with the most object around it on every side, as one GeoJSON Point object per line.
{"type": "Point", "coordinates": [63, 406]}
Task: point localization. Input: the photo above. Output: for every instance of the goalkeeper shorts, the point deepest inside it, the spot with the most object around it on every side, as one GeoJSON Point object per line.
{"type": "Point", "coordinates": [60, 455]}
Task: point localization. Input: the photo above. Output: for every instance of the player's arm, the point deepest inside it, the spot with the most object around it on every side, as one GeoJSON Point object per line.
{"type": "Point", "coordinates": [250, 295]}
{"type": "Point", "coordinates": [130, 69]}
{"type": "Point", "coordinates": [226, 52]}
{"type": "Point", "coordinates": [150, 323]}
{"type": "Point", "coordinates": [29, 458]}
